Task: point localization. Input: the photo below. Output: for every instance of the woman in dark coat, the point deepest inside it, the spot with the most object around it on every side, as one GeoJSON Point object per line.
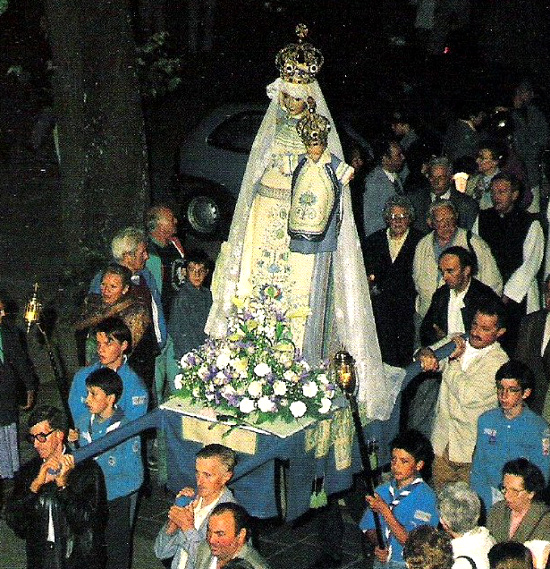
{"type": "Point", "coordinates": [389, 257]}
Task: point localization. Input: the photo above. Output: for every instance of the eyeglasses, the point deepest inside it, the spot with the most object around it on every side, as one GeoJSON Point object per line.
{"type": "Point", "coordinates": [513, 491]}
{"type": "Point", "coordinates": [399, 216]}
{"type": "Point", "coordinates": [197, 271]}
{"type": "Point", "coordinates": [507, 390]}
{"type": "Point", "coordinates": [40, 437]}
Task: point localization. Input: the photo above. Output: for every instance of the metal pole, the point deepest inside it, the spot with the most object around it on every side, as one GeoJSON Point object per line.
{"type": "Point", "coordinates": [368, 475]}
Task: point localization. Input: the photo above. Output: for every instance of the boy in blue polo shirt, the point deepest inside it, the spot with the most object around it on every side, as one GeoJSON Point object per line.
{"type": "Point", "coordinates": [403, 503]}
{"type": "Point", "coordinates": [121, 465]}
{"type": "Point", "coordinates": [508, 432]}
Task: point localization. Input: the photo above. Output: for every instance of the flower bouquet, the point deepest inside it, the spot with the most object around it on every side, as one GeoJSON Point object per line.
{"type": "Point", "coordinates": [255, 374]}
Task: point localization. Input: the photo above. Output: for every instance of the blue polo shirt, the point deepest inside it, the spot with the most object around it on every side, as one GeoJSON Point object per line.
{"type": "Point", "coordinates": [499, 440]}
{"type": "Point", "coordinates": [419, 508]}
{"type": "Point", "coordinates": [121, 465]}
{"type": "Point", "coordinates": [134, 400]}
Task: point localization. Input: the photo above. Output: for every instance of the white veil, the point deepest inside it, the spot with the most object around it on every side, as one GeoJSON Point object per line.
{"type": "Point", "coordinates": [354, 320]}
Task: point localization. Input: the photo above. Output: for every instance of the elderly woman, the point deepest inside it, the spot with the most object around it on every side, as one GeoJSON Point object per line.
{"type": "Point", "coordinates": [116, 299]}
{"type": "Point", "coordinates": [520, 516]}
{"type": "Point", "coordinates": [389, 257]}
{"type": "Point", "coordinates": [459, 510]}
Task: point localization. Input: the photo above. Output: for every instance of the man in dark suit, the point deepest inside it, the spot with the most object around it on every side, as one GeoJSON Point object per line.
{"type": "Point", "coordinates": [440, 175]}
{"type": "Point", "coordinates": [533, 349]}
{"type": "Point", "coordinates": [454, 304]}
{"type": "Point", "coordinates": [381, 183]}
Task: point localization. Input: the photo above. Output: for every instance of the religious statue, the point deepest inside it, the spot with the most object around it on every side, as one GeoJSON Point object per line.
{"type": "Point", "coordinates": [325, 293]}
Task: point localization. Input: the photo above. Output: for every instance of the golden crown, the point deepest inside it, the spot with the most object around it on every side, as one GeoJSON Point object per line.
{"type": "Point", "coordinates": [299, 62]}
{"type": "Point", "coordinates": [313, 128]}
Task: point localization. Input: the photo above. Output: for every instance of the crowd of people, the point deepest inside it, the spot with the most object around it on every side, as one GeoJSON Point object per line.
{"type": "Point", "coordinates": [436, 255]}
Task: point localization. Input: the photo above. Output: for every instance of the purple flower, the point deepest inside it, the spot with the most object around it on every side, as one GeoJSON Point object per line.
{"type": "Point", "coordinates": [233, 400]}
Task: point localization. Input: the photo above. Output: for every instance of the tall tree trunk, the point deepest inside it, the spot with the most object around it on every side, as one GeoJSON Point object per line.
{"type": "Point", "coordinates": [104, 169]}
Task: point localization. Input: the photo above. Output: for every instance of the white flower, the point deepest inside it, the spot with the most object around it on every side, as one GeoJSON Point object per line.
{"type": "Point", "coordinates": [329, 393]}
{"type": "Point", "coordinates": [310, 389]}
{"type": "Point", "coordinates": [322, 378]}
{"type": "Point", "coordinates": [247, 405]}
{"type": "Point", "coordinates": [223, 359]}
{"type": "Point", "coordinates": [255, 389]}
{"type": "Point", "coordinates": [325, 405]}
{"type": "Point", "coordinates": [203, 372]}
{"type": "Point", "coordinates": [290, 376]}
{"type": "Point", "coordinates": [279, 387]}
{"type": "Point", "coordinates": [227, 390]}
{"type": "Point", "coordinates": [178, 381]}
{"type": "Point", "coordinates": [219, 378]}
{"type": "Point", "coordinates": [262, 369]}
{"type": "Point", "coordinates": [298, 409]}
{"type": "Point", "coordinates": [266, 405]}
{"type": "Point", "coordinates": [196, 392]}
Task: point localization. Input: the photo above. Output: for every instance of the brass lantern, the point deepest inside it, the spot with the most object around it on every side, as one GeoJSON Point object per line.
{"type": "Point", "coordinates": [343, 369]}
{"type": "Point", "coordinates": [33, 309]}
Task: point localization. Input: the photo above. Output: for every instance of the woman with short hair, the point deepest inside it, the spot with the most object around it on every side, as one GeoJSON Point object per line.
{"type": "Point", "coordinates": [459, 510]}
{"type": "Point", "coordinates": [521, 516]}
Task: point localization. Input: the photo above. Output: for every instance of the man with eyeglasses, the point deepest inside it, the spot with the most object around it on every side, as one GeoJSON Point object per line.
{"type": "Point", "coordinates": [57, 507]}
{"type": "Point", "coordinates": [508, 432]}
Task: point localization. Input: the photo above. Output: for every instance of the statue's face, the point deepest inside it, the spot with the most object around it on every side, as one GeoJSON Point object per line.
{"type": "Point", "coordinates": [315, 151]}
{"type": "Point", "coordinates": [293, 105]}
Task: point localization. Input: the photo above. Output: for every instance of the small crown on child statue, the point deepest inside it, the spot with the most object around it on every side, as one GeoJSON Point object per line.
{"type": "Point", "coordinates": [299, 62]}
{"type": "Point", "coordinates": [313, 128]}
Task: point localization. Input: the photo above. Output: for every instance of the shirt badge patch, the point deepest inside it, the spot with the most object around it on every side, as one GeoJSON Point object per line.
{"type": "Point", "coordinates": [422, 516]}
{"type": "Point", "coordinates": [492, 434]}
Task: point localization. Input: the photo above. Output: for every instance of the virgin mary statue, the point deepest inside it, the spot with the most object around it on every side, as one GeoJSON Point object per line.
{"type": "Point", "coordinates": [325, 294]}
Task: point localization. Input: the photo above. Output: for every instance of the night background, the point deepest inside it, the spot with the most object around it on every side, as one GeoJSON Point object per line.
{"type": "Point", "coordinates": [75, 63]}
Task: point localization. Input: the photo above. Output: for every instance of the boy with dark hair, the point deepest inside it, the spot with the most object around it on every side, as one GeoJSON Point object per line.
{"type": "Point", "coordinates": [114, 341]}
{"type": "Point", "coordinates": [405, 502]}
{"type": "Point", "coordinates": [190, 309]}
{"type": "Point", "coordinates": [121, 465]}
{"type": "Point", "coordinates": [507, 432]}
